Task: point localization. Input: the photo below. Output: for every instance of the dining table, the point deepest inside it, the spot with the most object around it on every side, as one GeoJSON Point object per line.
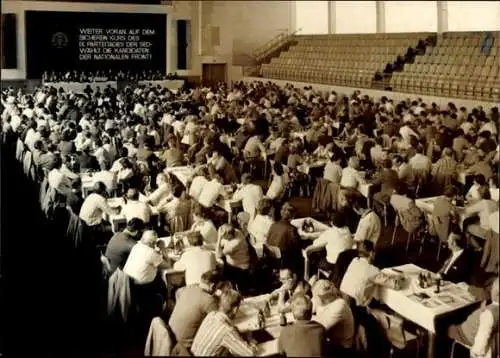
{"type": "Point", "coordinates": [423, 306]}
{"type": "Point", "coordinates": [246, 321]}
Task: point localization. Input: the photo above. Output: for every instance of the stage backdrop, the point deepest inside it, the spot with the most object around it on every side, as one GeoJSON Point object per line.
{"type": "Point", "coordinates": [62, 41]}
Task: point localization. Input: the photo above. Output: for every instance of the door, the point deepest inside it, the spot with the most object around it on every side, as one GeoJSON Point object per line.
{"type": "Point", "coordinates": [213, 73]}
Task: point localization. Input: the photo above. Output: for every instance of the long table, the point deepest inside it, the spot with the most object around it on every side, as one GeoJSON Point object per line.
{"type": "Point", "coordinates": [79, 87]}
{"type": "Point", "coordinates": [451, 299]}
{"type": "Point", "coordinates": [246, 321]}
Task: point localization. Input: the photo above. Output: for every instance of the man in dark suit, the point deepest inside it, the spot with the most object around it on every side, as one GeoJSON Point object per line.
{"type": "Point", "coordinates": [304, 338]}
{"type": "Point", "coordinates": [285, 236]}
{"type": "Point", "coordinates": [458, 266]}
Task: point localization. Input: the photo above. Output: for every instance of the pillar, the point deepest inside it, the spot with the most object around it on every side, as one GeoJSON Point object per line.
{"type": "Point", "coordinates": [332, 15]}
{"type": "Point", "coordinates": [380, 7]}
{"type": "Point", "coordinates": [442, 16]}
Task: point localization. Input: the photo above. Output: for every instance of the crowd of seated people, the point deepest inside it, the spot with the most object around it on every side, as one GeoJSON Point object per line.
{"type": "Point", "coordinates": [181, 165]}
{"type": "Point", "coordinates": [103, 76]}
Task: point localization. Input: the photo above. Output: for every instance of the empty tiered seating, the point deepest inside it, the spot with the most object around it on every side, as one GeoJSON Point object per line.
{"type": "Point", "coordinates": [458, 66]}
{"type": "Point", "coordinates": [350, 60]}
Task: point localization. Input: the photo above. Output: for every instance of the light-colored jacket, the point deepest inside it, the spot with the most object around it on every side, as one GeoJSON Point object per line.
{"type": "Point", "coordinates": [159, 341]}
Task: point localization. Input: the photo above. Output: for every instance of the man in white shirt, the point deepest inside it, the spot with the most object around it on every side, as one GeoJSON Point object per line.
{"type": "Point", "coordinates": [57, 180]}
{"type": "Point", "coordinates": [106, 176]}
{"type": "Point", "coordinates": [333, 170]}
{"type": "Point", "coordinates": [95, 205]}
{"type": "Point", "coordinates": [333, 313]}
{"type": "Point", "coordinates": [143, 264]}
{"type": "Point", "coordinates": [370, 225]}
{"type": "Point", "coordinates": [407, 132]}
{"type": "Point", "coordinates": [211, 192]}
{"type": "Point", "coordinates": [197, 184]}
{"type": "Point", "coordinates": [358, 282]}
{"type": "Point", "coordinates": [250, 194]}
{"type": "Point", "coordinates": [195, 260]}
{"type": "Point", "coordinates": [336, 240]}
{"type": "Point", "coordinates": [278, 183]}
{"type": "Point", "coordinates": [351, 177]}
{"type": "Point", "coordinates": [135, 208]}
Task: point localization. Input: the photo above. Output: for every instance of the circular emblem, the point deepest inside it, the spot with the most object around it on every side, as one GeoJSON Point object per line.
{"type": "Point", "coordinates": [59, 40]}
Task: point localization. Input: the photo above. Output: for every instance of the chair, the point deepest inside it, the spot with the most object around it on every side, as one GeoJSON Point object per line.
{"type": "Point", "coordinates": [453, 347]}
{"type": "Point", "coordinates": [395, 332]}
{"type": "Point", "coordinates": [409, 222]}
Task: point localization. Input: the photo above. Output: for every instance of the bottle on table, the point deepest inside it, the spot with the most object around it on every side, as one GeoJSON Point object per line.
{"type": "Point", "coordinates": [283, 319]}
{"type": "Point", "coordinates": [261, 320]}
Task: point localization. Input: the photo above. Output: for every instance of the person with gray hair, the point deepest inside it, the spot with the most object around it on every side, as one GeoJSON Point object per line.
{"type": "Point", "coordinates": [145, 260]}
{"type": "Point", "coordinates": [335, 315]}
{"type": "Point", "coordinates": [303, 338]}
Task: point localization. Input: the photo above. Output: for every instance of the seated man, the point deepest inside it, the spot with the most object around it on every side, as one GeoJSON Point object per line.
{"type": "Point", "coordinates": [335, 315]}
{"type": "Point", "coordinates": [358, 279]}
{"type": "Point", "coordinates": [291, 285]}
{"type": "Point", "coordinates": [106, 176]}
{"type": "Point", "coordinates": [369, 226]}
{"type": "Point", "coordinates": [233, 248]}
{"type": "Point", "coordinates": [193, 303]}
{"type": "Point", "coordinates": [217, 336]}
{"type": "Point", "coordinates": [143, 263]}
{"type": "Point", "coordinates": [303, 338]}
{"type": "Point", "coordinates": [94, 206]}
{"type": "Point", "coordinates": [336, 240]}
{"type": "Point", "coordinates": [121, 244]}
{"type": "Point", "coordinates": [480, 330]}
{"type": "Point", "coordinates": [458, 266]}
{"type": "Point", "coordinates": [250, 194]}
{"type": "Point", "coordinates": [135, 208]}
{"type": "Point", "coordinates": [195, 260]}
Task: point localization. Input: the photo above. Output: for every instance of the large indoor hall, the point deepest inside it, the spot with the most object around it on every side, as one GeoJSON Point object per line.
{"type": "Point", "coordinates": [250, 178]}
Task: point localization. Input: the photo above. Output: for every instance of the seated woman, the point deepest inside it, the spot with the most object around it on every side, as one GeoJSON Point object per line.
{"type": "Point", "coordinates": [290, 285]}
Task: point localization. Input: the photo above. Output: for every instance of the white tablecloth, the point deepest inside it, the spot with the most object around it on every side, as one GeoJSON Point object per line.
{"type": "Point", "coordinates": [318, 226]}
{"type": "Point", "coordinates": [78, 87]}
{"type": "Point", "coordinates": [246, 321]}
{"type": "Point", "coordinates": [423, 312]}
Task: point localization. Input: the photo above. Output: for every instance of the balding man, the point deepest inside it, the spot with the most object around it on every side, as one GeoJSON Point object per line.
{"type": "Point", "coordinates": [304, 338]}
{"type": "Point", "coordinates": [143, 264]}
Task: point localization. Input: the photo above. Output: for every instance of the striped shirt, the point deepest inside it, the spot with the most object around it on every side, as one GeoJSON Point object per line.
{"type": "Point", "coordinates": [216, 336]}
